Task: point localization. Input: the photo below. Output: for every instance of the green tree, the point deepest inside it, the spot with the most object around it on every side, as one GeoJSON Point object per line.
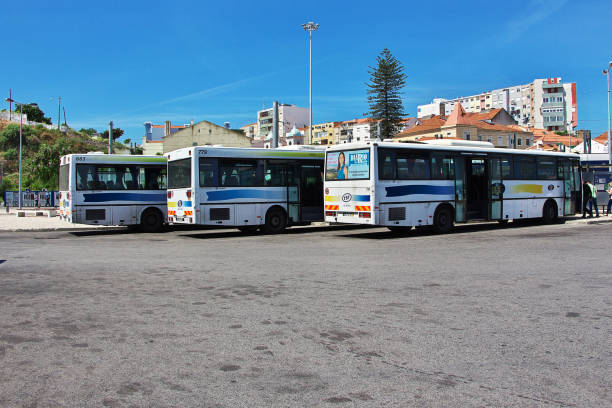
{"type": "Point", "coordinates": [9, 137]}
{"type": "Point", "coordinates": [42, 167]}
{"type": "Point", "coordinates": [127, 141]}
{"type": "Point", "coordinates": [35, 114]}
{"type": "Point", "coordinates": [387, 80]}
{"type": "Point", "coordinates": [117, 133]}
{"type": "Point", "coordinates": [89, 131]}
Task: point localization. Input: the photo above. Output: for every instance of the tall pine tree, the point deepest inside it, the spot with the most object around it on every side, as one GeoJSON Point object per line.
{"type": "Point", "coordinates": [384, 93]}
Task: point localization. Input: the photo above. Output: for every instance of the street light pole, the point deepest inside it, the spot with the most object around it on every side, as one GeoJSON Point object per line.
{"type": "Point", "coordinates": [607, 74]}
{"type": "Point", "coordinates": [310, 27]}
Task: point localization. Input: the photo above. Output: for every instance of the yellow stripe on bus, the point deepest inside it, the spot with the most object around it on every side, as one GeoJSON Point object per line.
{"type": "Point", "coordinates": [527, 188]}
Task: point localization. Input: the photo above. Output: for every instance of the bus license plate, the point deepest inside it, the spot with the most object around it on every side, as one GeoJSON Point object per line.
{"type": "Point", "coordinates": [347, 214]}
{"type": "Point", "coordinates": [180, 218]}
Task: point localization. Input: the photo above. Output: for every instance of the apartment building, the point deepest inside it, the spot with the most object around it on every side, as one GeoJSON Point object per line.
{"type": "Point", "coordinates": [288, 117]}
{"type": "Point", "coordinates": [323, 133]}
{"type": "Point", "coordinates": [250, 130]}
{"type": "Point", "coordinates": [544, 103]}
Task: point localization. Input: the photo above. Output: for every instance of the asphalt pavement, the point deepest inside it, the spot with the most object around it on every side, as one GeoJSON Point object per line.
{"type": "Point", "coordinates": [519, 316]}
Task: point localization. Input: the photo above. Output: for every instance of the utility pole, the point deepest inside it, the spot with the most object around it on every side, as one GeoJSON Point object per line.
{"type": "Point", "coordinates": [59, 118]}
{"type": "Point", "coordinates": [607, 73]}
{"type": "Point", "coordinates": [275, 125]}
{"type": "Point", "coordinates": [110, 137]}
{"type": "Point", "coordinates": [10, 103]}
{"type": "Point", "coordinates": [65, 123]}
{"type": "Point", "coordinates": [310, 27]}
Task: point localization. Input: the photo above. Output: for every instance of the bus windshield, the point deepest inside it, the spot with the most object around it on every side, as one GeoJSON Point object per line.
{"type": "Point", "coordinates": [347, 165]}
{"type": "Point", "coordinates": [64, 173]}
{"type": "Point", "coordinates": [179, 173]}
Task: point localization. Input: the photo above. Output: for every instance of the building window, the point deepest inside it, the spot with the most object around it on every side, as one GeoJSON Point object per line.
{"type": "Point", "coordinates": [500, 140]}
{"type": "Point", "coordinates": [519, 141]}
{"type": "Point", "coordinates": [467, 136]}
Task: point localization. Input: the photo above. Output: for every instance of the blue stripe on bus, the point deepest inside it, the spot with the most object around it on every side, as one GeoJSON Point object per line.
{"type": "Point", "coordinates": [361, 198]}
{"type": "Point", "coordinates": [139, 197]}
{"type": "Point", "coordinates": [221, 195]}
{"type": "Point", "coordinates": [419, 189]}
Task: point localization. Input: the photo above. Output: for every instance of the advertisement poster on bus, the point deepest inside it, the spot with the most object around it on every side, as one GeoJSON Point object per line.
{"type": "Point", "coordinates": [348, 165]}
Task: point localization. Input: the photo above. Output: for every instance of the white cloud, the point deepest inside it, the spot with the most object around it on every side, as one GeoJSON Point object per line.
{"type": "Point", "coordinates": [536, 11]}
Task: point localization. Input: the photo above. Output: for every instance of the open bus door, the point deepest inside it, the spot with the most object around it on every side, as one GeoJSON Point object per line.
{"type": "Point", "coordinates": [293, 194]}
{"type": "Point", "coordinates": [496, 189]}
{"type": "Point", "coordinates": [460, 191]}
{"type": "Point", "coordinates": [572, 187]}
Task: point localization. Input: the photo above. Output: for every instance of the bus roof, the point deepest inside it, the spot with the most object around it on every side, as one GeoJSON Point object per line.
{"type": "Point", "coordinates": [470, 149]}
{"type": "Point", "coordinates": [247, 152]}
{"type": "Point", "coordinates": [112, 158]}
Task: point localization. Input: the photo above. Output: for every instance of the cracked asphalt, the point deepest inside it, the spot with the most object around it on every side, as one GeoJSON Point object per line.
{"type": "Point", "coordinates": [321, 316]}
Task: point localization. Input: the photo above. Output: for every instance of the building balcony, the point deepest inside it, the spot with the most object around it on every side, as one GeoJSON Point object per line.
{"type": "Point", "coordinates": [546, 85]}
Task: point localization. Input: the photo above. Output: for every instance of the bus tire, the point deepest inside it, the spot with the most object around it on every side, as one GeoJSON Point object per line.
{"type": "Point", "coordinates": [443, 219]}
{"type": "Point", "coordinates": [151, 220]}
{"type": "Point", "coordinates": [248, 229]}
{"type": "Point", "coordinates": [276, 221]}
{"type": "Point", "coordinates": [399, 230]}
{"type": "Point", "coordinates": [549, 213]}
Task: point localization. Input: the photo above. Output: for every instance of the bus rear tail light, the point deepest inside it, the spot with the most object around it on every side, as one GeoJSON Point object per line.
{"type": "Point", "coordinates": [330, 213]}
{"type": "Point", "coordinates": [188, 193]}
{"type": "Point", "coordinates": [169, 194]}
{"type": "Point", "coordinates": [60, 195]}
{"type": "Point", "coordinates": [68, 195]}
{"type": "Point", "coordinates": [364, 215]}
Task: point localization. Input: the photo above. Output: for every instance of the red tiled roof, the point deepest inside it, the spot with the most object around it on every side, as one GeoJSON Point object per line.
{"type": "Point", "coordinates": [603, 138]}
{"type": "Point", "coordinates": [460, 117]}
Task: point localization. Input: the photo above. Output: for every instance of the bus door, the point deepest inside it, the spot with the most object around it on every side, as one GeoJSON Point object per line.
{"type": "Point", "coordinates": [293, 193]}
{"type": "Point", "coordinates": [460, 190]}
{"type": "Point", "coordinates": [569, 191]}
{"type": "Point", "coordinates": [496, 189]}
{"type": "Point", "coordinates": [311, 191]}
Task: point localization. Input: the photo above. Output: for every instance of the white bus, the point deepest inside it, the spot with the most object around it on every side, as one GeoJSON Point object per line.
{"type": "Point", "coordinates": [401, 185]}
{"type": "Point", "coordinates": [247, 188]}
{"type": "Point", "coordinates": [103, 189]}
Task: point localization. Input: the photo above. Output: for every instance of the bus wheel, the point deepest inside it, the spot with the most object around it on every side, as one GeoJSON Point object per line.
{"type": "Point", "coordinates": [276, 221]}
{"type": "Point", "coordinates": [443, 219]}
{"type": "Point", "coordinates": [399, 230]}
{"type": "Point", "coordinates": [248, 229]}
{"type": "Point", "coordinates": [549, 214]}
{"type": "Point", "coordinates": [151, 221]}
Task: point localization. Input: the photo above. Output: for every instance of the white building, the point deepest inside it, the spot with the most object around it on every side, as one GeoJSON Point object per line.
{"type": "Point", "coordinates": [288, 117]}
{"type": "Point", "coordinates": [544, 104]}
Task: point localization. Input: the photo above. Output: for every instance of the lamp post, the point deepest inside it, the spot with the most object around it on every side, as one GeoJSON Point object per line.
{"type": "Point", "coordinates": [310, 27]}
{"type": "Point", "coordinates": [606, 72]}
{"type": "Point", "coordinates": [9, 100]}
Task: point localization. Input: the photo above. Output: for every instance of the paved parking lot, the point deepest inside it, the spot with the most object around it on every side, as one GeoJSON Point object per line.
{"type": "Point", "coordinates": [327, 316]}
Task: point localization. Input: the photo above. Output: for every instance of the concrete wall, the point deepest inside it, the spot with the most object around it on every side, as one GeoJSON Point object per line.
{"type": "Point", "coordinates": [205, 133]}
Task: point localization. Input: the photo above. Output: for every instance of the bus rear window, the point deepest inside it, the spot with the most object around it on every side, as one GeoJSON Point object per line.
{"type": "Point", "coordinates": [179, 173]}
{"type": "Point", "coordinates": [64, 177]}
{"type": "Point", "coordinates": [348, 165]}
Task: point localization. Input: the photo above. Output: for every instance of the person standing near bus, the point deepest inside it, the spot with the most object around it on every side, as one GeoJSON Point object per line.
{"type": "Point", "coordinates": [586, 199]}
{"type": "Point", "coordinates": [609, 191]}
{"type": "Point", "coordinates": [593, 200]}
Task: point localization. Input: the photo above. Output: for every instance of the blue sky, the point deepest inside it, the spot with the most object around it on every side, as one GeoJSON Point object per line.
{"type": "Point", "coordinates": [136, 61]}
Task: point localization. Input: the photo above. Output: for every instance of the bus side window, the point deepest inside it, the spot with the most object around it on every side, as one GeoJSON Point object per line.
{"type": "Point", "coordinates": [506, 163]}
{"type": "Point", "coordinates": [547, 168]}
{"type": "Point", "coordinates": [442, 167]}
{"type": "Point", "coordinates": [525, 168]}
{"type": "Point", "coordinates": [208, 172]}
{"type": "Point", "coordinates": [386, 164]}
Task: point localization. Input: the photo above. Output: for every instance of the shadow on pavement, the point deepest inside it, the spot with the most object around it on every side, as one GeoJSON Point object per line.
{"type": "Point", "coordinates": [234, 233]}
{"type": "Point", "coordinates": [429, 231]}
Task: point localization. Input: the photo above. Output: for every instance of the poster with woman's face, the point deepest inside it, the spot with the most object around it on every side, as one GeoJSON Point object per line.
{"type": "Point", "coordinates": [348, 165]}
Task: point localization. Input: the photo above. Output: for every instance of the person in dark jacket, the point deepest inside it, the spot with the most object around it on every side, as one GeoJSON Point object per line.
{"type": "Point", "coordinates": [586, 199]}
